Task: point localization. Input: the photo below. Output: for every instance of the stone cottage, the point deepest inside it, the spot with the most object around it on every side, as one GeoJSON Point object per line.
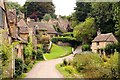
{"type": "Point", "coordinates": [43, 28]}
{"type": "Point", "coordinates": [101, 40]}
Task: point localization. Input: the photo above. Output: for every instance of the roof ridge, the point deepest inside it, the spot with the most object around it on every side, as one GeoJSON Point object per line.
{"type": "Point", "coordinates": [108, 36]}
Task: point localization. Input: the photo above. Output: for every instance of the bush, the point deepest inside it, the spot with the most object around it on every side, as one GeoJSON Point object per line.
{"type": "Point", "coordinates": [93, 66]}
{"type": "Point", "coordinates": [34, 53]}
{"type": "Point", "coordinates": [18, 67]}
{"type": "Point", "coordinates": [113, 66]}
{"type": "Point", "coordinates": [85, 47]}
{"type": "Point", "coordinates": [39, 55]}
{"type": "Point", "coordinates": [110, 48]}
{"type": "Point", "coordinates": [80, 62]}
{"type": "Point", "coordinates": [4, 58]}
{"type": "Point", "coordinates": [25, 69]}
{"type": "Point", "coordinates": [69, 69]}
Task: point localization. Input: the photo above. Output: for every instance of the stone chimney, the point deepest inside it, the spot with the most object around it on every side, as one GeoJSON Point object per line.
{"type": "Point", "coordinates": [98, 32]}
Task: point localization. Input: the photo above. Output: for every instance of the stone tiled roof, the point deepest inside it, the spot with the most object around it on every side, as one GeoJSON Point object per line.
{"type": "Point", "coordinates": [63, 24]}
{"type": "Point", "coordinates": [23, 30]}
{"type": "Point", "coordinates": [40, 26]}
{"type": "Point", "coordinates": [23, 27]}
{"type": "Point", "coordinates": [11, 13]}
{"type": "Point", "coordinates": [109, 37]}
{"type": "Point", "coordinates": [22, 23]}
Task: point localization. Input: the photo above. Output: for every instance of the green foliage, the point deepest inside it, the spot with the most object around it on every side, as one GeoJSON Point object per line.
{"type": "Point", "coordinates": [18, 67]}
{"type": "Point", "coordinates": [85, 47]}
{"type": "Point", "coordinates": [103, 14]}
{"type": "Point", "coordinates": [110, 48]}
{"type": "Point", "coordinates": [85, 30]}
{"type": "Point", "coordinates": [14, 5]}
{"type": "Point", "coordinates": [4, 58]}
{"type": "Point", "coordinates": [93, 66]}
{"type": "Point", "coordinates": [25, 68]}
{"type": "Point", "coordinates": [38, 9]}
{"type": "Point", "coordinates": [116, 14]}
{"type": "Point", "coordinates": [68, 39]}
{"type": "Point", "coordinates": [69, 69]}
{"type": "Point", "coordinates": [80, 62]}
{"type": "Point", "coordinates": [82, 11]}
{"type": "Point", "coordinates": [28, 49]}
{"type": "Point", "coordinates": [63, 39]}
{"type": "Point", "coordinates": [39, 55]}
{"type": "Point", "coordinates": [34, 52]}
{"type": "Point", "coordinates": [47, 17]}
{"type": "Point", "coordinates": [70, 34]}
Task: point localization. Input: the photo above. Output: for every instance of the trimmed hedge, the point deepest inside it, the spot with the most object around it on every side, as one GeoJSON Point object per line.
{"type": "Point", "coordinates": [70, 40]}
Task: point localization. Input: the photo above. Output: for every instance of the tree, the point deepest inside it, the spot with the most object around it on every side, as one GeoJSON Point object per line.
{"type": "Point", "coordinates": [38, 9]}
{"type": "Point", "coordinates": [47, 17]}
{"type": "Point", "coordinates": [14, 5]}
{"type": "Point", "coordinates": [85, 30]}
{"type": "Point", "coordinates": [116, 7]}
{"type": "Point", "coordinates": [81, 11]}
{"type": "Point", "coordinates": [103, 14]}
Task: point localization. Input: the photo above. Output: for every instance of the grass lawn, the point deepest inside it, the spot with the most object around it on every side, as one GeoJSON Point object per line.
{"type": "Point", "coordinates": [58, 51]}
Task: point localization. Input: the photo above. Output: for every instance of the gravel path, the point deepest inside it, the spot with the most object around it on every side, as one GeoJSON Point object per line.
{"type": "Point", "coordinates": [47, 69]}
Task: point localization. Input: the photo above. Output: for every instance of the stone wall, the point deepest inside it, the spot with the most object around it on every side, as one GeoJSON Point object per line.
{"type": "Point", "coordinates": [63, 44]}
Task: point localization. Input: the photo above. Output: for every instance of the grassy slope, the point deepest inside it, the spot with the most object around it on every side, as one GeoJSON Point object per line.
{"type": "Point", "coordinates": [58, 51]}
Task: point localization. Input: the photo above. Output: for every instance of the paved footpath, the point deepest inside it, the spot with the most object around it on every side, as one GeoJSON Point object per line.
{"type": "Point", "coordinates": [47, 69]}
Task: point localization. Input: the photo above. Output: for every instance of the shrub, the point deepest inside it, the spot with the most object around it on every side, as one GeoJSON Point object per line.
{"type": "Point", "coordinates": [93, 66]}
{"type": "Point", "coordinates": [39, 55]}
{"type": "Point", "coordinates": [18, 67]}
{"type": "Point", "coordinates": [69, 69]}
{"type": "Point", "coordinates": [4, 58]}
{"type": "Point", "coordinates": [110, 48]}
{"type": "Point", "coordinates": [85, 47]}
{"type": "Point", "coordinates": [81, 61]}
{"type": "Point", "coordinates": [25, 69]}
{"type": "Point", "coordinates": [34, 53]}
{"type": "Point", "coordinates": [113, 66]}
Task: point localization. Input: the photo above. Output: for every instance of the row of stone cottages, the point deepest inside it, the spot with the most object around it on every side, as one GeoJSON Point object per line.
{"type": "Point", "coordinates": [20, 30]}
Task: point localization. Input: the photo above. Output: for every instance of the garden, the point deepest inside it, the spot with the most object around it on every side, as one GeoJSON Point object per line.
{"type": "Point", "coordinates": [91, 66]}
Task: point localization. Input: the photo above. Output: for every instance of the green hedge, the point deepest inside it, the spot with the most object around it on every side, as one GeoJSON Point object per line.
{"type": "Point", "coordinates": [70, 40]}
{"type": "Point", "coordinates": [85, 47]}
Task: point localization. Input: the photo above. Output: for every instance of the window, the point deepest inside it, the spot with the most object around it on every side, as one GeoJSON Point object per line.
{"type": "Point", "coordinates": [1, 17]}
{"type": "Point", "coordinates": [98, 43]}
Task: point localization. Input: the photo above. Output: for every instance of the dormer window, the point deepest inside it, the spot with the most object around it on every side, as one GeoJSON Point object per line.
{"type": "Point", "coordinates": [1, 17]}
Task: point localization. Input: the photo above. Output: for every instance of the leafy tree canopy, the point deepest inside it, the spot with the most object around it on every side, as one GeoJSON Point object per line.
{"type": "Point", "coordinates": [103, 14]}
{"type": "Point", "coordinates": [38, 9]}
{"type": "Point", "coordinates": [85, 30]}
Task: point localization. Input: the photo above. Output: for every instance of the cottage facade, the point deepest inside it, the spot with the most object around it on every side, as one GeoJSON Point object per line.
{"type": "Point", "coordinates": [44, 28]}
{"type": "Point", "coordinates": [101, 40]}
